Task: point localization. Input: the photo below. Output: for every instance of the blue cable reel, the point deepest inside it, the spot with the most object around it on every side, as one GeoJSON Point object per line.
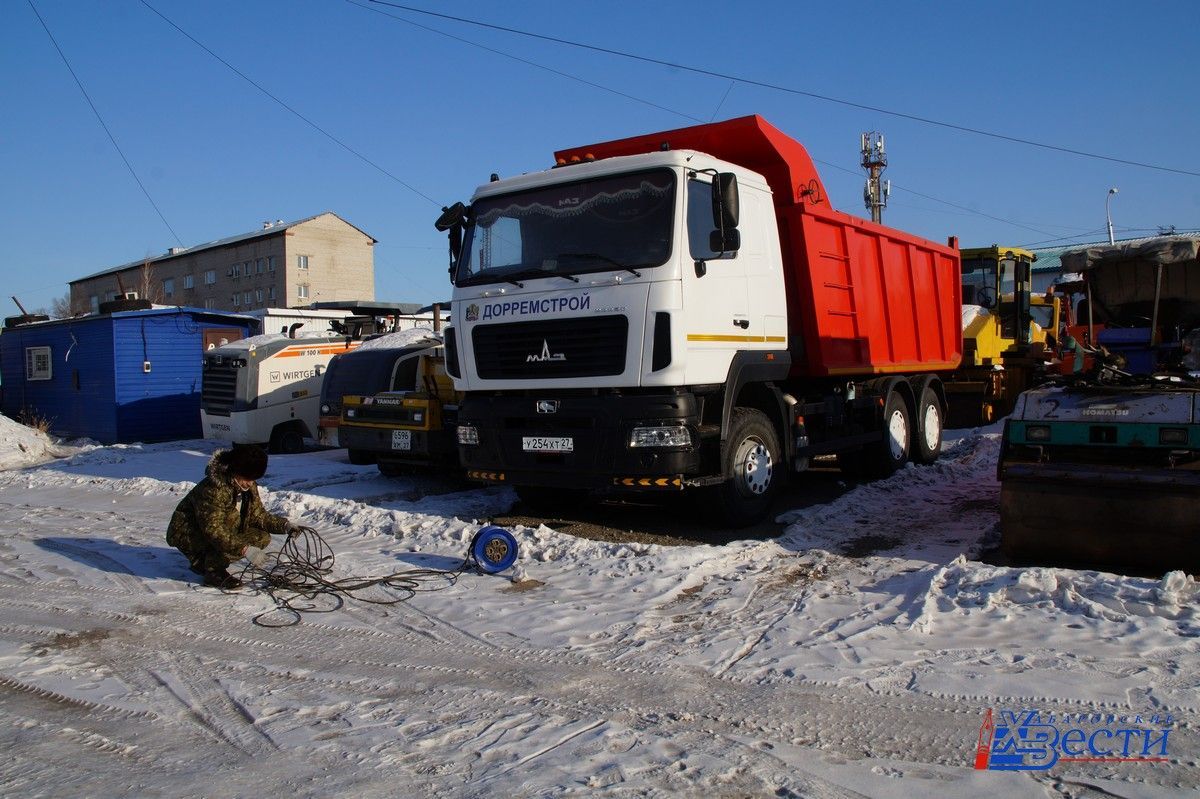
{"type": "Point", "coordinates": [494, 549]}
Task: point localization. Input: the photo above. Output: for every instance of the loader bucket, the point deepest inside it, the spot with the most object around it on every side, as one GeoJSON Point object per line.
{"type": "Point", "coordinates": [1144, 521]}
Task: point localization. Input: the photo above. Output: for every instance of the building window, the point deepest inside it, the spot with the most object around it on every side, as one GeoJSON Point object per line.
{"type": "Point", "coordinates": [270, 263]}
{"type": "Point", "coordinates": [237, 271]}
{"type": "Point", "coordinates": [302, 262]}
{"type": "Point", "coordinates": [258, 265]}
{"type": "Point", "coordinates": [302, 291]}
{"type": "Point", "coordinates": [246, 299]}
{"type": "Point", "coordinates": [95, 301]}
{"type": "Point", "coordinates": [271, 293]}
{"type": "Point", "coordinates": [258, 296]}
{"type": "Point", "coordinates": [236, 299]}
{"type": "Point", "coordinates": [210, 303]}
{"type": "Point", "coordinates": [168, 286]}
{"type": "Point", "coordinates": [249, 268]}
{"type": "Point", "coordinates": [210, 277]}
{"type": "Point", "coordinates": [189, 281]}
{"type": "Point", "coordinates": [37, 363]}
{"type": "Point", "coordinates": [110, 296]}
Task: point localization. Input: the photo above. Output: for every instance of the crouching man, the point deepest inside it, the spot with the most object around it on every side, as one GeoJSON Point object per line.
{"type": "Point", "coordinates": [222, 515]}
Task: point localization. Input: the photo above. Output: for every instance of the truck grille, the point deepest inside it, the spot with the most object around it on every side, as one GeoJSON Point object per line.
{"type": "Point", "coordinates": [381, 414]}
{"type": "Point", "coordinates": [579, 347]}
{"type": "Point", "coordinates": [218, 388]}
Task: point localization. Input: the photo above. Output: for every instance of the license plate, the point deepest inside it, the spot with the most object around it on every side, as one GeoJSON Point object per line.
{"type": "Point", "coordinates": [401, 439]}
{"type": "Point", "coordinates": [543, 444]}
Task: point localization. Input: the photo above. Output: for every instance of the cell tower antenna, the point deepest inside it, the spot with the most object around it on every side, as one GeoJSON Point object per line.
{"type": "Point", "coordinates": [874, 160]}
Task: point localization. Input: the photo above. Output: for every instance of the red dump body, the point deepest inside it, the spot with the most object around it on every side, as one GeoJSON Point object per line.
{"type": "Point", "coordinates": [862, 298]}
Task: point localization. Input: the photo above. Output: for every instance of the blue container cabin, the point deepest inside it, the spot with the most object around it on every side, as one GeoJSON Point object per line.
{"type": "Point", "coordinates": [117, 378]}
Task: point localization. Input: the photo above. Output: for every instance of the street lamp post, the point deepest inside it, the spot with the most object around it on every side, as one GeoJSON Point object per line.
{"type": "Point", "coordinates": [1108, 214]}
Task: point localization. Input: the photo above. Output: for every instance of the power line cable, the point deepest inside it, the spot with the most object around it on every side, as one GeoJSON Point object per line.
{"type": "Point", "coordinates": [791, 90]}
{"type": "Point", "coordinates": [943, 202]}
{"type": "Point", "coordinates": [291, 110]}
{"type": "Point", "coordinates": [103, 124]}
{"type": "Point", "coordinates": [551, 70]}
{"type": "Point", "coordinates": [1034, 244]}
{"type": "Point", "coordinates": [729, 89]}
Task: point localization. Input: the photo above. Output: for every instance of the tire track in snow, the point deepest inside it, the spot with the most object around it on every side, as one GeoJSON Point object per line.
{"type": "Point", "coordinates": [211, 705]}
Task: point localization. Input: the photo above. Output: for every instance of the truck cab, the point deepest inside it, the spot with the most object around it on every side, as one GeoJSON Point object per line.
{"type": "Point", "coordinates": [413, 422]}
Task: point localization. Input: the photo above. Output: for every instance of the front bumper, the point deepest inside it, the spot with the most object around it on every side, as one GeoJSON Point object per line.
{"type": "Point", "coordinates": [424, 445]}
{"type": "Point", "coordinates": [599, 428]}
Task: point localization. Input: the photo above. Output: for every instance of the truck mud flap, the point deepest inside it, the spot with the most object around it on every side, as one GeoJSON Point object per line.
{"type": "Point", "coordinates": [1119, 520]}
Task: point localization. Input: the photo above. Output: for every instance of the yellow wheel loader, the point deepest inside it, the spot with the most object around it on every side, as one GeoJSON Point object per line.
{"type": "Point", "coordinates": [1008, 333]}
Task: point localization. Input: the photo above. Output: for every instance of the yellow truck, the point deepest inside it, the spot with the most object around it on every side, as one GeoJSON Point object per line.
{"type": "Point", "coordinates": [412, 424]}
{"type": "Point", "coordinates": [1008, 333]}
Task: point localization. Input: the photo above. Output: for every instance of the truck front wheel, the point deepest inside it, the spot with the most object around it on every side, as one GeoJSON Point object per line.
{"type": "Point", "coordinates": [360, 457]}
{"type": "Point", "coordinates": [751, 467]}
{"type": "Point", "coordinates": [287, 439]}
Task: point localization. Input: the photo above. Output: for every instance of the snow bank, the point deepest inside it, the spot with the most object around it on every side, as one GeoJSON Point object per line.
{"type": "Point", "coordinates": [998, 592]}
{"type": "Point", "coordinates": [24, 446]}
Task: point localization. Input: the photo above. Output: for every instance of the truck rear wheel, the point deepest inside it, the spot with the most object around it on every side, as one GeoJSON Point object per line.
{"type": "Point", "coordinates": [928, 444]}
{"type": "Point", "coordinates": [750, 467]}
{"type": "Point", "coordinates": [886, 456]}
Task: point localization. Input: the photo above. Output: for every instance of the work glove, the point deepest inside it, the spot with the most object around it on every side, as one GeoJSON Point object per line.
{"type": "Point", "coordinates": [294, 530]}
{"type": "Point", "coordinates": [255, 555]}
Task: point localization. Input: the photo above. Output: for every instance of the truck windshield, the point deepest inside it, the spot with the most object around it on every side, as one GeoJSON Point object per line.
{"type": "Point", "coordinates": [616, 222]}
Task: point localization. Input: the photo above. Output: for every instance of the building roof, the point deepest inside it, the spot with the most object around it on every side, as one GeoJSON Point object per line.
{"type": "Point", "coordinates": [157, 310]}
{"type": "Point", "coordinates": [1050, 259]}
{"type": "Point", "coordinates": [180, 252]}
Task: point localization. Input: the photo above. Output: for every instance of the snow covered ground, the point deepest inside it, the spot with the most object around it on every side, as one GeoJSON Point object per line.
{"type": "Point", "coordinates": [759, 668]}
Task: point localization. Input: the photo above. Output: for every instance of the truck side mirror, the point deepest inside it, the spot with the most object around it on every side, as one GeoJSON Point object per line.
{"type": "Point", "coordinates": [725, 214]}
{"type": "Point", "coordinates": [725, 201]}
{"type": "Point", "coordinates": [451, 222]}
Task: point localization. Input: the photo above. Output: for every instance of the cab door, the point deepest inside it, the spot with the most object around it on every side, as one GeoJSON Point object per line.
{"type": "Point", "coordinates": [716, 319]}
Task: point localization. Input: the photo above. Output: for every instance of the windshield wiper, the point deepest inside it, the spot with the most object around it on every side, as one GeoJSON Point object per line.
{"type": "Point", "coordinates": [600, 257]}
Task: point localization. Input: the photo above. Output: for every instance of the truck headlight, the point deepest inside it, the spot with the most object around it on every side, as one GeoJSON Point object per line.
{"type": "Point", "coordinates": [1037, 432]}
{"type": "Point", "coordinates": [467, 434]}
{"type": "Point", "coordinates": [325, 409]}
{"type": "Point", "coordinates": [1172, 435]}
{"type": "Point", "coordinates": [351, 413]}
{"type": "Point", "coordinates": [418, 417]}
{"type": "Point", "coordinates": [673, 435]}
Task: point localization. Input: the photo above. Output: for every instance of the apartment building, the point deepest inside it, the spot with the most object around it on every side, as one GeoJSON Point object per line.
{"type": "Point", "coordinates": [322, 258]}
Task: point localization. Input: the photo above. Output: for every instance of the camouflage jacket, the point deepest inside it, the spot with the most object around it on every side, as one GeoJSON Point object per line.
{"type": "Point", "coordinates": [209, 521]}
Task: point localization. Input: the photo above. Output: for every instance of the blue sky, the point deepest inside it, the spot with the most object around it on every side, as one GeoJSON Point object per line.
{"type": "Point", "coordinates": [441, 114]}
